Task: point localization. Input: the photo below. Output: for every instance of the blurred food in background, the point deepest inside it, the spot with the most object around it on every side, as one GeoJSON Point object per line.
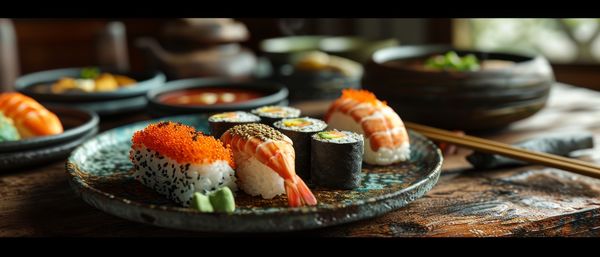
{"type": "Point", "coordinates": [91, 80]}
{"type": "Point", "coordinates": [318, 67]}
{"type": "Point", "coordinates": [450, 88]}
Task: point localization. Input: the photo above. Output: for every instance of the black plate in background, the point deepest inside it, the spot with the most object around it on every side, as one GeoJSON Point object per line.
{"type": "Point", "coordinates": [14, 161]}
{"type": "Point", "coordinates": [275, 94]}
{"type": "Point", "coordinates": [26, 84]}
{"type": "Point", "coordinates": [106, 107]}
{"type": "Point", "coordinates": [76, 123]}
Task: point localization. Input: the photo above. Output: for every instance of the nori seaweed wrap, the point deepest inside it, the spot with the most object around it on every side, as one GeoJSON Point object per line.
{"type": "Point", "coordinates": [221, 122]}
{"type": "Point", "coordinates": [300, 131]}
{"type": "Point", "coordinates": [271, 113]}
{"type": "Point", "coordinates": [336, 159]}
{"type": "Point", "coordinates": [561, 143]}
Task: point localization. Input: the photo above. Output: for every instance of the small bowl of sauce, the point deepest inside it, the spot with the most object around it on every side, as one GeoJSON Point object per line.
{"type": "Point", "coordinates": [205, 95]}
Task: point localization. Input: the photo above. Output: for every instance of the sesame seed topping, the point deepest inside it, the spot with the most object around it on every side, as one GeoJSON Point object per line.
{"type": "Point", "coordinates": [260, 131]}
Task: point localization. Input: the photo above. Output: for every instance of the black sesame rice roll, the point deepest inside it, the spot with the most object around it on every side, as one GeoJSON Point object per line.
{"type": "Point", "coordinates": [336, 159]}
{"type": "Point", "coordinates": [272, 113]}
{"type": "Point", "coordinates": [221, 122]}
{"type": "Point", "coordinates": [300, 131]}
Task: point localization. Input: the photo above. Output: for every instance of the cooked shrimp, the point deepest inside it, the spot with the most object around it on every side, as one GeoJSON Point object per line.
{"type": "Point", "coordinates": [275, 151]}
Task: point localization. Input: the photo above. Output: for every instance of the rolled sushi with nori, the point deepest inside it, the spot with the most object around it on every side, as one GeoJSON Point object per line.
{"type": "Point", "coordinates": [336, 159]}
{"type": "Point", "coordinates": [221, 122]}
{"type": "Point", "coordinates": [271, 113]}
{"type": "Point", "coordinates": [300, 131]}
{"type": "Point", "coordinates": [177, 161]}
{"type": "Point", "coordinates": [8, 131]}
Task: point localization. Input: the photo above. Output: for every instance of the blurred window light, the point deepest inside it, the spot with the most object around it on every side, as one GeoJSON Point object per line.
{"type": "Point", "coordinates": [560, 40]}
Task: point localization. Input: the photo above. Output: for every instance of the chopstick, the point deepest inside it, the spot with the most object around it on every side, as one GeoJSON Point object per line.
{"type": "Point", "coordinates": [493, 147]}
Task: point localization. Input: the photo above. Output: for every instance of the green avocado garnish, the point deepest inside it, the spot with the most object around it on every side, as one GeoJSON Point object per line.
{"type": "Point", "coordinates": [331, 134]}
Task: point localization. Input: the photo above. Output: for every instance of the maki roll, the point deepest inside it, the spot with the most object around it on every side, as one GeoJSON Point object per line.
{"type": "Point", "coordinates": [265, 160]}
{"type": "Point", "coordinates": [177, 161]}
{"type": "Point", "coordinates": [221, 122]}
{"type": "Point", "coordinates": [386, 139]}
{"type": "Point", "coordinates": [270, 114]}
{"type": "Point", "coordinates": [300, 130]}
{"type": "Point", "coordinates": [336, 159]}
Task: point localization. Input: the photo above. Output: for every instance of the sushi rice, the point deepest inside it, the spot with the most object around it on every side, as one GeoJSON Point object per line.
{"type": "Point", "coordinates": [171, 171]}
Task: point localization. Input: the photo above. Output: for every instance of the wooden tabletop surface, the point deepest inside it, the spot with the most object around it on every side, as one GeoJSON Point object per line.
{"type": "Point", "coordinates": [524, 201]}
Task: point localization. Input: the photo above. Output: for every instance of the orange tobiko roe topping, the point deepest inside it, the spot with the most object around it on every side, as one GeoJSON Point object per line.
{"type": "Point", "coordinates": [361, 95]}
{"type": "Point", "coordinates": [183, 143]}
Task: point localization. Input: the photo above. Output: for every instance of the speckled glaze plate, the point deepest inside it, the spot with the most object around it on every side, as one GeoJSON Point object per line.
{"type": "Point", "coordinates": [100, 173]}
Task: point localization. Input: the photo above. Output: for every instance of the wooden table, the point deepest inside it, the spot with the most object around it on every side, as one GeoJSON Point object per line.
{"type": "Point", "coordinates": [525, 201]}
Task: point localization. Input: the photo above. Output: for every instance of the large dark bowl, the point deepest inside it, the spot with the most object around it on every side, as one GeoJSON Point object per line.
{"type": "Point", "coordinates": [275, 94]}
{"type": "Point", "coordinates": [472, 100]}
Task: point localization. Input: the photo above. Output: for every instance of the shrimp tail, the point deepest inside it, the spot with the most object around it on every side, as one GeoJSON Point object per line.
{"type": "Point", "coordinates": [298, 193]}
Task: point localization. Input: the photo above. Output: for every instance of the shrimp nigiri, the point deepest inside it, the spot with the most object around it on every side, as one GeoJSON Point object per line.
{"type": "Point", "coordinates": [265, 161]}
{"type": "Point", "coordinates": [30, 118]}
{"type": "Point", "coordinates": [386, 139]}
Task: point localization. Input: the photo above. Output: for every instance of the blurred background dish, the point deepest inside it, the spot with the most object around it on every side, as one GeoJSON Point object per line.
{"type": "Point", "coordinates": [188, 48]}
{"type": "Point", "coordinates": [78, 126]}
{"type": "Point", "coordinates": [76, 123]}
{"type": "Point", "coordinates": [334, 63]}
{"type": "Point", "coordinates": [505, 88]}
{"type": "Point", "coordinates": [206, 95]}
{"type": "Point", "coordinates": [41, 86]}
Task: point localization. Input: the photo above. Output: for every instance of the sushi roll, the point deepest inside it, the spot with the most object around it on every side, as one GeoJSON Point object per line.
{"type": "Point", "coordinates": [265, 160]}
{"type": "Point", "coordinates": [221, 122]}
{"type": "Point", "coordinates": [176, 161]}
{"type": "Point", "coordinates": [270, 114]}
{"type": "Point", "coordinates": [386, 139]}
{"type": "Point", "coordinates": [336, 159]}
{"type": "Point", "coordinates": [30, 118]}
{"type": "Point", "coordinates": [300, 130]}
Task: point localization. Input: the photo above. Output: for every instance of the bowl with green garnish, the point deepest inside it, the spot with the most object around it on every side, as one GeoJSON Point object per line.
{"type": "Point", "coordinates": [459, 89]}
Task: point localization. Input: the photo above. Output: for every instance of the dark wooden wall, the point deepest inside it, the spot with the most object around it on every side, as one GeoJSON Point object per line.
{"type": "Point", "coordinates": [47, 44]}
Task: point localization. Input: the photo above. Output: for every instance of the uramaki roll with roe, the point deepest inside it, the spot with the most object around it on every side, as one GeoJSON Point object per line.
{"type": "Point", "coordinates": [359, 111]}
{"type": "Point", "coordinates": [177, 161]}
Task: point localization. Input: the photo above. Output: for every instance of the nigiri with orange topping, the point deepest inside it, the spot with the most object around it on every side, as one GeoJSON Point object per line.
{"type": "Point", "coordinates": [359, 111]}
{"type": "Point", "coordinates": [177, 161]}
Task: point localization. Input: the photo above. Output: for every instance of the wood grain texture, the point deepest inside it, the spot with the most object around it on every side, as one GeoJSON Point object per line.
{"type": "Point", "coordinates": [524, 201]}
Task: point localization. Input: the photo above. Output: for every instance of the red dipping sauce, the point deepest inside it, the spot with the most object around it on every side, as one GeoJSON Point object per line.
{"type": "Point", "coordinates": [209, 96]}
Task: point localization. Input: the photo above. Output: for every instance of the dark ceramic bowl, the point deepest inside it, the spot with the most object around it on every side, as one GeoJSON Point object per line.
{"type": "Point", "coordinates": [316, 85]}
{"type": "Point", "coordinates": [274, 94]}
{"type": "Point", "coordinates": [472, 100]}
{"type": "Point", "coordinates": [76, 123]}
{"type": "Point", "coordinates": [37, 85]}
{"type": "Point", "coordinates": [283, 50]}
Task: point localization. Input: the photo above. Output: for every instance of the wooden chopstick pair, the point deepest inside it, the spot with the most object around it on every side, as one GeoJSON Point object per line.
{"type": "Point", "coordinates": [493, 147]}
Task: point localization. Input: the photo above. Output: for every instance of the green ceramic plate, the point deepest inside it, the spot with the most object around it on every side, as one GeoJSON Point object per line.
{"type": "Point", "coordinates": [100, 172]}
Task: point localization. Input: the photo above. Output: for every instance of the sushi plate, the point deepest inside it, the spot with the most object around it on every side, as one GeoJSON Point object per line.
{"type": "Point", "coordinates": [101, 174]}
